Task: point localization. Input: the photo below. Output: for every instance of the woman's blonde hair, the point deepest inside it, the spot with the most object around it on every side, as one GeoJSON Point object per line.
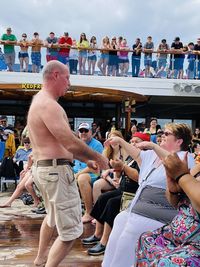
{"type": "Point", "coordinates": [109, 151]}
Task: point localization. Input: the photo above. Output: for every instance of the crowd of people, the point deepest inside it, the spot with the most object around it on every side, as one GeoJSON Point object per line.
{"type": "Point", "coordinates": [142, 193]}
{"type": "Point", "coordinates": [110, 56]}
{"type": "Point", "coordinates": [136, 176]}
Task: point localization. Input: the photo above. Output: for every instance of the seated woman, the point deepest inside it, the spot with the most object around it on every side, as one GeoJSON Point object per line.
{"type": "Point", "coordinates": [177, 243]}
{"type": "Point", "coordinates": [25, 182]}
{"type": "Point", "coordinates": [21, 155]}
{"type": "Point", "coordinates": [109, 180]}
{"type": "Point", "coordinates": [108, 204]}
{"type": "Point", "coordinates": [149, 208]}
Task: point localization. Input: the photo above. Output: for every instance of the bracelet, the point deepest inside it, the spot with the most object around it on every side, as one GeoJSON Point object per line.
{"type": "Point", "coordinates": [180, 176]}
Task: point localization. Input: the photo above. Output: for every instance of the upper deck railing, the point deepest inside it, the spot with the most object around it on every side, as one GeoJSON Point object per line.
{"type": "Point", "coordinates": [169, 68]}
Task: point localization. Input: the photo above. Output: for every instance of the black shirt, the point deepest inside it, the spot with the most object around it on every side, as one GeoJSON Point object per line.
{"type": "Point", "coordinates": [197, 48]}
{"type": "Point", "coordinates": [136, 53]}
{"type": "Point", "coordinates": [177, 46]}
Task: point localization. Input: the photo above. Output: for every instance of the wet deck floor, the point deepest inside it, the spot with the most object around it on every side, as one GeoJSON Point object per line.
{"type": "Point", "coordinates": [19, 233]}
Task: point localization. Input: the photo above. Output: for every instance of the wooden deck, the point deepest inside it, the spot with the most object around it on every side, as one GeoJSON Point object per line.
{"type": "Point", "coordinates": [19, 232]}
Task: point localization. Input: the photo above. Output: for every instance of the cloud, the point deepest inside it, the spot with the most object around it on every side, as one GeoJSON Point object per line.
{"type": "Point", "coordinates": [129, 18]}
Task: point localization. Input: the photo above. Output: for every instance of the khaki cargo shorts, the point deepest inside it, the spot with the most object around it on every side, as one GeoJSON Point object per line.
{"type": "Point", "coordinates": [58, 188]}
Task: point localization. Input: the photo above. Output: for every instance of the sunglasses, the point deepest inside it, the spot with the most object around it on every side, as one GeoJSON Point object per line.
{"type": "Point", "coordinates": [83, 130]}
{"type": "Point", "coordinates": [26, 142]}
{"type": "Point", "coordinates": [167, 133]}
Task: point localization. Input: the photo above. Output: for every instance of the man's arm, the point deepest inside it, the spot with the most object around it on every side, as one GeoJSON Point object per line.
{"type": "Point", "coordinates": [57, 123]}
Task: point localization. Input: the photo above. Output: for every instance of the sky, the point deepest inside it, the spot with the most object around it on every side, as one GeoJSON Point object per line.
{"type": "Point", "coordinates": [127, 18]}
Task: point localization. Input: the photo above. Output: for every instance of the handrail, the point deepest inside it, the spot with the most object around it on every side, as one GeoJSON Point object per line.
{"type": "Point", "coordinates": [143, 50]}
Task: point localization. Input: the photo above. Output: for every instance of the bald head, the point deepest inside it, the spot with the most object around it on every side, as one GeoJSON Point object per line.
{"type": "Point", "coordinates": [51, 67]}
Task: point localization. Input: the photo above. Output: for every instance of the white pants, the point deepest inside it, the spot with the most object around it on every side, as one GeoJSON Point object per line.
{"type": "Point", "coordinates": [127, 228]}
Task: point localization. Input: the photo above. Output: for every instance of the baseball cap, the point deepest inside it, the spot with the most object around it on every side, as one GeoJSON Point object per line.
{"type": "Point", "coordinates": [9, 29]}
{"type": "Point", "coordinates": [3, 117]}
{"type": "Point", "coordinates": [84, 125]}
{"type": "Point", "coordinates": [142, 136]}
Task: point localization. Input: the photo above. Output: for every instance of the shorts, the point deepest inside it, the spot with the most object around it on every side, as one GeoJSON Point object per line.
{"type": "Point", "coordinates": [147, 61]}
{"type": "Point", "coordinates": [178, 64]}
{"type": "Point", "coordinates": [93, 177]}
{"type": "Point", "coordinates": [52, 56]}
{"type": "Point", "coordinates": [9, 58]}
{"type": "Point", "coordinates": [123, 60]}
{"type": "Point", "coordinates": [36, 58]}
{"type": "Point", "coordinates": [104, 56]}
{"type": "Point", "coordinates": [83, 53]}
{"type": "Point", "coordinates": [63, 58]}
{"type": "Point", "coordinates": [113, 60]}
{"type": "Point", "coordinates": [22, 55]}
{"type": "Point", "coordinates": [58, 188]}
{"type": "Point", "coordinates": [162, 62]}
{"type": "Point", "coordinates": [93, 58]}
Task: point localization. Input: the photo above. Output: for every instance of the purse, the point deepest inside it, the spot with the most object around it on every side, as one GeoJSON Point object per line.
{"type": "Point", "coordinates": [152, 203]}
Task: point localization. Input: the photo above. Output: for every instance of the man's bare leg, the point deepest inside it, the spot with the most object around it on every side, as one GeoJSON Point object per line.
{"type": "Point", "coordinates": [46, 234]}
{"type": "Point", "coordinates": [58, 252]}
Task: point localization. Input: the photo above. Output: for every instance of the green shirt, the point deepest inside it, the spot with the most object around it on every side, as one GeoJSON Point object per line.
{"type": "Point", "coordinates": [8, 48]}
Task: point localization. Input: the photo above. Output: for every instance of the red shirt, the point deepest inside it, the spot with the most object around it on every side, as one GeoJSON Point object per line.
{"type": "Point", "coordinates": [65, 40]}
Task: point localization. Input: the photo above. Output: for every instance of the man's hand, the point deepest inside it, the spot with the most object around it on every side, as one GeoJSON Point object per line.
{"type": "Point", "coordinates": [112, 141]}
{"type": "Point", "coordinates": [117, 164]}
{"type": "Point", "coordinates": [100, 164]}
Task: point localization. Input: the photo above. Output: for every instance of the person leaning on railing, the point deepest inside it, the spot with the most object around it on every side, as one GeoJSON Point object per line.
{"type": "Point", "coordinates": [23, 53]}
{"type": "Point", "coordinates": [104, 57]}
{"type": "Point", "coordinates": [83, 43]}
{"type": "Point", "coordinates": [53, 46]}
{"type": "Point", "coordinates": [36, 45]}
{"type": "Point", "coordinates": [92, 55]}
{"type": "Point", "coordinates": [9, 40]}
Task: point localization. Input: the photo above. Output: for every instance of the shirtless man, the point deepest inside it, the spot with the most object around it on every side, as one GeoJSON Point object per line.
{"type": "Point", "coordinates": [36, 44]}
{"type": "Point", "coordinates": [54, 148]}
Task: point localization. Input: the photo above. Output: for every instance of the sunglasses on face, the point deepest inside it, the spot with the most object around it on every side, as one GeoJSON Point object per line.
{"type": "Point", "coordinates": [167, 133]}
{"type": "Point", "coordinates": [26, 142]}
{"type": "Point", "coordinates": [83, 130]}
